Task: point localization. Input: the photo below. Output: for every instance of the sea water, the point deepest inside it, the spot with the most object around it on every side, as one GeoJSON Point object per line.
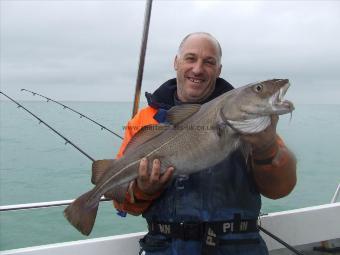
{"type": "Point", "coordinates": [37, 166]}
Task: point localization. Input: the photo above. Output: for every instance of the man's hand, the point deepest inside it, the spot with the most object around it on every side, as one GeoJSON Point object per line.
{"type": "Point", "coordinates": [151, 183]}
{"type": "Point", "coordinates": [275, 178]}
{"type": "Point", "coordinates": [264, 140]}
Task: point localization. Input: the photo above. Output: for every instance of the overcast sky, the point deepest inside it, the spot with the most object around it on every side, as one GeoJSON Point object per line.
{"type": "Point", "coordinates": [89, 50]}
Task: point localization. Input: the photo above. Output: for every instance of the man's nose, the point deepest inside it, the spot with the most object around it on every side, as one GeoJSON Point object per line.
{"type": "Point", "coordinates": [198, 67]}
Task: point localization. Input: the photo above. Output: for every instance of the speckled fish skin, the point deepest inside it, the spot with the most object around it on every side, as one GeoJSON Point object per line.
{"type": "Point", "coordinates": [198, 137]}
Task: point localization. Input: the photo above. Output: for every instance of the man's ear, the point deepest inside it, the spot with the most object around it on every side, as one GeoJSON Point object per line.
{"type": "Point", "coordinates": [176, 63]}
{"type": "Point", "coordinates": [219, 70]}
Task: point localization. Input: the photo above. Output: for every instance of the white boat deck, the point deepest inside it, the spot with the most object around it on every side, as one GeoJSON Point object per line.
{"type": "Point", "coordinates": [302, 228]}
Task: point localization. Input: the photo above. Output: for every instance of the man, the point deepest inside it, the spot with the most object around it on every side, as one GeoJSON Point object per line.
{"type": "Point", "coordinates": [215, 210]}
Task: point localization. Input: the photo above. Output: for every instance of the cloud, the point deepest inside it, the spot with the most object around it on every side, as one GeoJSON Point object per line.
{"type": "Point", "coordinates": [89, 50]}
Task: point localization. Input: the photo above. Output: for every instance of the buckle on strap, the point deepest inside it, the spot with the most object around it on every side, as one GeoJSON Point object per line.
{"type": "Point", "coordinates": [190, 230]}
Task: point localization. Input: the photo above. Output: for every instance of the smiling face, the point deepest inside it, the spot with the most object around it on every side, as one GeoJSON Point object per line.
{"type": "Point", "coordinates": [198, 66]}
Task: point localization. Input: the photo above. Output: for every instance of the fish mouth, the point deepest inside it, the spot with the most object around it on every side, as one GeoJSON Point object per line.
{"type": "Point", "coordinates": [277, 101]}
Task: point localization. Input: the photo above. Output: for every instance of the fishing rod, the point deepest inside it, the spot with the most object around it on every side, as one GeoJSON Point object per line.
{"type": "Point", "coordinates": [75, 111]}
{"type": "Point", "coordinates": [67, 202]}
{"type": "Point", "coordinates": [67, 141]}
{"type": "Point", "coordinates": [135, 108]}
{"type": "Point", "coordinates": [142, 56]}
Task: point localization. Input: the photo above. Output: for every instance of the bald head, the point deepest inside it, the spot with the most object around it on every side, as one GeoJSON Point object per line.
{"type": "Point", "coordinates": [202, 35]}
{"type": "Point", "coordinates": [197, 65]}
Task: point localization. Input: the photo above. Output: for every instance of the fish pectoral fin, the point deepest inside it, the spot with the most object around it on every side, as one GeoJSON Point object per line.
{"type": "Point", "coordinates": [144, 135]}
{"type": "Point", "coordinates": [220, 127]}
{"type": "Point", "coordinates": [179, 113]}
{"type": "Point", "coordinates": [99, 168]}
{"type": "Point", "coordinates": [118, 193]}
{"type": "Point", "coordinates": [82, 214]}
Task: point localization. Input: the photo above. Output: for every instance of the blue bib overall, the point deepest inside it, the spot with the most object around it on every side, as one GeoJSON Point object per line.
{"type": "Point", "coordinates": [214, 194]}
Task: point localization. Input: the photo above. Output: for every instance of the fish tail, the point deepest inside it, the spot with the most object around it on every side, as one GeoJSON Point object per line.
{"type": "Point", "coordinates": [82, 213]}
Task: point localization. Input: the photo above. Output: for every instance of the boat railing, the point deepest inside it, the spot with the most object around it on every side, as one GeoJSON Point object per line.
{"type": "Point", "coordinates": [336, 194]}
{"type": "Point", "coordinates": [27, 206]}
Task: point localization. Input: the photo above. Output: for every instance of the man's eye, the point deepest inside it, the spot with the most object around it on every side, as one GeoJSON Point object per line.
{"type": "Point", "coordinates": [210, 62]}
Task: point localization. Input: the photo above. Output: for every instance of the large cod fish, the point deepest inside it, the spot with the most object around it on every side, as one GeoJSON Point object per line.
{"type": "Point", "coordinates": [197, 137]}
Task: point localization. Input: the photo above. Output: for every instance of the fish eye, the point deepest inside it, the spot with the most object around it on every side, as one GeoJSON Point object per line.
{"type": "Point", "coordinates": [258, 88]}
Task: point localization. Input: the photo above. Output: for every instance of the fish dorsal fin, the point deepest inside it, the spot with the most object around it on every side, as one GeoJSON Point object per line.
{"type": "Point", "coordinates": [99, 168]}
{"type": "Point", "coordinates": [145, 134]}
{"type": "Point", "coordinates": [179, 113]}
